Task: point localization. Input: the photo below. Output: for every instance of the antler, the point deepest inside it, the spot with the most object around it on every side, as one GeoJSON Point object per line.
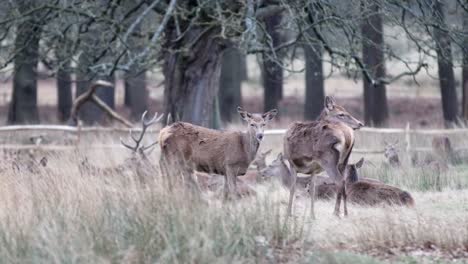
{"type": "Point", "coordinates": [144, 124]}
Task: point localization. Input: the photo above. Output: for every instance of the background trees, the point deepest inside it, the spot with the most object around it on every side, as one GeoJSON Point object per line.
{"type": "Point", "coordinates": [195, 43]}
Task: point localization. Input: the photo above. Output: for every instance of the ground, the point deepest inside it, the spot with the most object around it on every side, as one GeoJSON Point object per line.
{"type": "Point", "coordinates": [60, 213]}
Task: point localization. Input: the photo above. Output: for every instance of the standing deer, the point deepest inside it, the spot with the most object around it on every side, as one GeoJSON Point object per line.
{"type": "Point", "coordinates": [324, 144]}
{"type": "Point", "coordinates": [228, 153]}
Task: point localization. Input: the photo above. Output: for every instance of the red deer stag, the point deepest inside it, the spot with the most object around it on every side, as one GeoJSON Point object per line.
{"type": "Point", "coordinates": [228, 153]}
{"type": "Point", "coordinates": [324, 144]}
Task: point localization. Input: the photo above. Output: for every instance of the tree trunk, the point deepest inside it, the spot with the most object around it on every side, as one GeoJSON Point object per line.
{"type": "Point", "coordinates": [136, 92]}
{"type": "Point", "coordinates": [64, 92]}
{"type": "Point", "coordinates": [23, 106]}
{"type": "Point", "coordinates": [272, 71]}
{"type": "Point", "coordinates": [192, 77]}
{"type": "Point", "coordinates": [375, 96]}
{"type": "Point", "coordinates": [465, 68]}
{"type": "Point", "coordinates": [445, 67]}
{"type": "Point", "coordinates": [230, 84]}
{"type": "Point", "coordinates": [243, 67]}
{"type": "Point", "coordinates": [314, 94]}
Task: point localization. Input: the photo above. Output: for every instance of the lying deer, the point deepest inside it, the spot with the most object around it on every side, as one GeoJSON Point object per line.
{"type": "Point", "coordinates": [391, 154]}
{"type": "Point", "coordinates": [228, 153]}
{"type": "Point", "coordinates": [325, 188]}
{"type": "Point", "coordinates": [373, 193]}
{"type": "Point", "coordinates": [325, 144]}
{"type": "Point", "coordinates": [138, 162]}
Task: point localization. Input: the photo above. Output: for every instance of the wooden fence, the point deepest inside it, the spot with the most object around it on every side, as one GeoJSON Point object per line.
{"type": "Point", "coordinates": [400, 133]}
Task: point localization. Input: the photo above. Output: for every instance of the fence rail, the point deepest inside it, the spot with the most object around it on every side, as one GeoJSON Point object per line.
{"type": "Point", "coordinates": [406, 132]}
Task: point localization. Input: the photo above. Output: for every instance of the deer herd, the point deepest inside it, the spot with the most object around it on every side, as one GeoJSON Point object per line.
{"type": "Point", "coordinates": [211, 159]}
{"type": "Point", "coordinates": [215, 160]}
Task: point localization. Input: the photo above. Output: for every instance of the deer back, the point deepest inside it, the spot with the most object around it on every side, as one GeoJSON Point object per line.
{"type": "Point", "coordinates": [207, 149]}
{"type": "Point", "coordinates": [305, 143]}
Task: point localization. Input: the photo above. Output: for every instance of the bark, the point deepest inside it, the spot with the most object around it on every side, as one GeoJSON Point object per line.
{"type": "Point", "coordinates": [314, 94]}
{"type": "Point", "coordinates": [192, 76]}
{"type": "Point", "coordinates": [465, 68]}
{"type": "Point", "coordinates": [23, 106]}
{"type": "Point", "coordinates": [272, 71]}
{"type": "Point", "coordinates": [243, 68]}
{"type": "Point", "coordinates": [64, 92]}
{"type": "Point", "coordinates": [375, 96]}
{"type": "Point", "coordinates": [230, 84]}
{"type": "Point", "coordinates": [445, 67]}
{"type": "Point", "coordinates": [136, 92]}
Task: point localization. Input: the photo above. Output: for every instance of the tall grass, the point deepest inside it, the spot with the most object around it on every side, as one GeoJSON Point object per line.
{"type": "Point", "coordinates": [58, 214]}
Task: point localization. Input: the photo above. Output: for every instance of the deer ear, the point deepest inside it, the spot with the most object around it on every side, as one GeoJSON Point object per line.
{"type": "Point", "coordinates": [244, 114]}
{"type": "Point", "coordinates": [329, 103]}
{"type": "Point", "coordinates": [270, 114]}
{"type": "Point", "coordinates": [360, 163]}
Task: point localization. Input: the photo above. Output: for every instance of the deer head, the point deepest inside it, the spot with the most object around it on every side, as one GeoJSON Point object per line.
{"type": "Point", "coordinates": [336, 113]}
{"type": "Point", "coordinates": [140, 149]}
{"type": "Point", "coordinates": [351, 173]}
{"type": "Point", "coordinates": [257, 122]}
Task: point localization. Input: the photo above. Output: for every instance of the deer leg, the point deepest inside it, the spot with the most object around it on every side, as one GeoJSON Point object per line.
{"type": "Point", "coordinates": [334, 173]}
{"type": "Point", "coordinates": [292, 188]}
{"type": "Point", "coordinates": [229, 183]}
{"type": "Point", "coordinates": [345, 206]}
{"type": "Point", "coordinates": [312, 196]}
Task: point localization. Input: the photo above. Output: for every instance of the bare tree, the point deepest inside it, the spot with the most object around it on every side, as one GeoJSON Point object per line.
{"type": "Point", "coordinates": [314, 82]}
{"type": "Point", "coordinates": [230, 83]}
{"type": "Point", "coordinates": [23, 106]}
{"type": "Point", "coordinates": [445, 66]}
{"type": "Point", "coordinates": [272, 71]}
{"type": "Point", "coordinates": [465, 68]}
{"type": "Point", "coordinates": [375, 98]}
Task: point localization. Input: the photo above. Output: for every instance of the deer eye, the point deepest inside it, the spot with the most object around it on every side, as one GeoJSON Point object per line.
{"type": "Point", "coordinates": [252, 125]}
{"type": "Point", "coordinates": [341, 115]}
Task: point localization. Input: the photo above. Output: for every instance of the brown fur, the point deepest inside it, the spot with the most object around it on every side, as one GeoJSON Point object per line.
{"type": "Point", "coordinates": [228, 153]}
{"type": "Point", "coordinates": [373, 193]}
{"type": "Point", "coordinates": [325, 144]}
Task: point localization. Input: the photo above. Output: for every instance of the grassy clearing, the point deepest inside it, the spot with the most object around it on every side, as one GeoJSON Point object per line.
{"type": "Point", "coordinates": [59, 215]}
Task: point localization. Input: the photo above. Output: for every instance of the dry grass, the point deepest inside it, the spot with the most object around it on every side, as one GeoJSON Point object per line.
{"type": "Point", "coordinates": [59, 215]}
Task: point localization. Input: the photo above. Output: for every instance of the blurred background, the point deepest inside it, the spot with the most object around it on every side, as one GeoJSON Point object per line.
{"type": "Point", "coordinates": [389, 63]}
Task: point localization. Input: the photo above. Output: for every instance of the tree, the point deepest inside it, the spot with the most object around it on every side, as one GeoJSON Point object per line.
{"type": "Point", "coordinates": [136, 92]}
{"type": "Point", "coordinates": [272, 72]}
{"type": "Point", "coordinates": [23, 106]}
{"type": "Point", "coordinates": [64, 92]}
{"type": "Point", "coordinates": [375, 98]}
{"type": "Point", "coordinates": [445, 65]}
{"type": "Point", "coordinates": [315, 92]}
{"type": "Point", "coordinates": [230, 84]}
{"type": "Point", "coordinates": [465, 68]}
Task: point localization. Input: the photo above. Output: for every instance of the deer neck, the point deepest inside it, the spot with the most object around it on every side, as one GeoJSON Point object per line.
{"type": "Point", "coordinates": [251, 145]}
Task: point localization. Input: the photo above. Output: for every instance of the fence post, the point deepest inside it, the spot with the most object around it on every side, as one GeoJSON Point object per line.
{"type": "Point", "coordinates": [408, 138]}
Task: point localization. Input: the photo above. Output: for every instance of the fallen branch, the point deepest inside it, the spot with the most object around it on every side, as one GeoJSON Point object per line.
{"type": "Point", "coordinates": [90, 96]}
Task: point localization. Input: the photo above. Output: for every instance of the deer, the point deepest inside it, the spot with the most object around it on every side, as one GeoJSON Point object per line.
{"type": "Point", "coordinates": [138, 161]}
{"type": "Point", "coordinates": [372, 193]}
{"type": "Point", "coordinates": [325, 188]}
{"type": "Point", "coordinates": [321, 145]}
{"type": "Point", "coordinates": [228, 153]}
{"type": "Point", "coordinates": [391, 154]}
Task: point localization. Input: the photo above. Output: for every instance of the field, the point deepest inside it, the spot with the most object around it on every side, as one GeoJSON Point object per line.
{"type": "Point", "coordinates": [59, 213]}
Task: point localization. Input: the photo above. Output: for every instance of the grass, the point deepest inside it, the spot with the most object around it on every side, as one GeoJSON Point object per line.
{"type": "Point", "coordinates": [58, 214]}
